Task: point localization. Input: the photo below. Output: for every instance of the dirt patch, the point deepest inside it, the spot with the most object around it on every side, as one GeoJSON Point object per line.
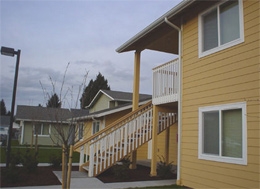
{"type": "Point", "coordinates": [44, 176]}
{"type": "Point", "coordinates": [141, 173]}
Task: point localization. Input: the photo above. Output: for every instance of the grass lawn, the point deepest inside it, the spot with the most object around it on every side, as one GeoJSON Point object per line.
{"type": "Point", "coordinates": [44, 152]}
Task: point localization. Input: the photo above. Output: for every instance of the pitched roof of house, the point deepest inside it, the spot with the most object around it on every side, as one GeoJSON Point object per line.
{"type": "Point", "coordinates": [44, 114]}
{"type": "Point", "coordinates": [118, 96]}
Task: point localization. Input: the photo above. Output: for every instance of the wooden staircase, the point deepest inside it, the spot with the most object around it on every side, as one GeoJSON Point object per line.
{"type": "Point", "coordinates": [108, 146]}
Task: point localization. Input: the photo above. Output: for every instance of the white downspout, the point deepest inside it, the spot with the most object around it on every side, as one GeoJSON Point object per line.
{"type": "Point", "coordinates": [179, 98]}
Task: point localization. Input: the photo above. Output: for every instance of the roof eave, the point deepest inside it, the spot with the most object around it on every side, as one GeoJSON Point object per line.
{"type": "Point", "coordinates": [178, 8]}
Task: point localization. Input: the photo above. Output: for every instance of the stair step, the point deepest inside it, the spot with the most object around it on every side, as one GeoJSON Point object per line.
{"type": "Point", "coordinates": [86, 168]}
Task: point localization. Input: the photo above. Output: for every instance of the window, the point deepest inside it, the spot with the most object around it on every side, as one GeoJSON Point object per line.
{"type": "Point", "coordinates": [221, 27]}
{"type": "Point", "coordinates": [95, 127]}
{"type": "Point", "coordinates": [222, 133]}
{"type": "Point", "coordinates": [81, 131]}
{"type": "Point", "coordinates": [42, 129]}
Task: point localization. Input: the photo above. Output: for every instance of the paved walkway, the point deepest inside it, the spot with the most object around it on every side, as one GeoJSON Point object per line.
{"type": "Point", "coordinates": [80, 180]}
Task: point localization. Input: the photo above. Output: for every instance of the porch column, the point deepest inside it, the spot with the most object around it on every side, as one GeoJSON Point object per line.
{"type": "Point", "coordinates": [154, 142]}
{"type": "Point", "coordinates": [136, 85]}
{"type": "Point", "coordinates": [136, 80]}
{"type": "Point", "coordinates": [167, 144]}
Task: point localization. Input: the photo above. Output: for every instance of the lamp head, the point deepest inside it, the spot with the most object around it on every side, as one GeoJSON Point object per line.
{"type": "Point", "coordinates": [8, 51]}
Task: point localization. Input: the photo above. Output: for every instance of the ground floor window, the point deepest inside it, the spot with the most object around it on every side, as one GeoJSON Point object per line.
{"type": "Point", "coordinates": [81, 131]}
{"type": "Point", "coordinates": [222, 133]}
{"type": "Point", "coordinates": [95, 127]}
{"type": "Point", "coordinates": [42, 129]}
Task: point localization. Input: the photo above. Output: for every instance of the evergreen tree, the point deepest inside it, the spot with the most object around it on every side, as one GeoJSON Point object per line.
{"type": "Point", "coordinates": [54, 101]}
{"type": "Point", "coordinates": [91, 90]}
{"type": "Point", "coordinates": [3, 108]}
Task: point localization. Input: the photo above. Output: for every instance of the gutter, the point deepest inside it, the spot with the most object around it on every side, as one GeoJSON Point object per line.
{"type": "Point", "coordinates": [179, 97]}
{"type": "Point", "coordinates": [177, 9]}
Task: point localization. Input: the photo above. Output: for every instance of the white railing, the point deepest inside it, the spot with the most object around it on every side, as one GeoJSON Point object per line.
{"type": "Point", "coordinates": [165, 83]}
{"type": "Point", "coordinates": [116, 141]}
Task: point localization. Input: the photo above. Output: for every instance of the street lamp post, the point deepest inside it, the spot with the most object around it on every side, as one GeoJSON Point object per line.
{"type": "Point", "coordinates": [11, 52]}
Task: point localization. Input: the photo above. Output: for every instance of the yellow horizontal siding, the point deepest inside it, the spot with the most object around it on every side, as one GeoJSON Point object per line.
{"type": "Point", "coordinates": [222, 176]}
{"type": "Point", "coordinates": [227, 76]}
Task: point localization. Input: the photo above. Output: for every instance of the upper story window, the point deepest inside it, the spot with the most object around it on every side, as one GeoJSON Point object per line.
{"type": "Point", "coordinates": [222, 133]}
{"type": "Point", "coordinates": [221, 27]}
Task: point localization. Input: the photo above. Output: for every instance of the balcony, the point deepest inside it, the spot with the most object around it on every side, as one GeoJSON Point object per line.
{"type": "Point", "coordinates": [165, 83]}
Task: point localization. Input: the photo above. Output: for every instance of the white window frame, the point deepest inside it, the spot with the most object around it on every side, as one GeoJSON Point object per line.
{"type": "Point", "coordinates": [219, 158]}
{"type": "Point", "coordinates": [226, 45]}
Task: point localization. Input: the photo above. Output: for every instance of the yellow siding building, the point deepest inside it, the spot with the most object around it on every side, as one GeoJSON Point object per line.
{"type": "Point", "coordinates": [218, 49]}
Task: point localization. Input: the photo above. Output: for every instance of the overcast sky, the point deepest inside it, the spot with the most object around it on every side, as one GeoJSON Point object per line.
{"type": "Point", "coordinates": [85, 33]}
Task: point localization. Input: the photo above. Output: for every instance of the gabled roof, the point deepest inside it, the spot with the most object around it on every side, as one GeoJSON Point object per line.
{"type": "Point", "coordinates": [44, 114]}
{"type": "Point", "coordinates": [79, 112]}
{"type": "Point", "coordinates": [117, 96]}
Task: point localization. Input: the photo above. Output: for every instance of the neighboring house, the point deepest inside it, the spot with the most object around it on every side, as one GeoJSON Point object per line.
{"type": "Point", "coordinates": [213, 86]}
{"type": "Point", "coordinates": [37, 124]}
{"type": "Point", "coordinates": [5, 124]}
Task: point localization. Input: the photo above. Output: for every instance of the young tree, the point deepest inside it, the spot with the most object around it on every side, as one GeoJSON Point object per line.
{"type": "Point", "coordinates": [3, 108]}
{"type": "Point", "coordinates": [91, 90]}
{"type": "Point", "coordinates": [65, 136]}
{"type": "Point", "coordinates": [54, 102]}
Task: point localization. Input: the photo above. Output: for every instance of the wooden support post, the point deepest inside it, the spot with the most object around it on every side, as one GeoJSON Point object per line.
{"type": "Point", "coordinates": [167, 144]}
{"type": "Point", "coordinates": [136, 85]}
{"type": "Point", "coordinates": [70, 165]}
{"type": "Point", "coordinates": [154, 142]}
{"type": "Point", "coordinates": [63, 166]}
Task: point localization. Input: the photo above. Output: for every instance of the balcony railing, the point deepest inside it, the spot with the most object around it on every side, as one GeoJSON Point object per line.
{"type": "Point", "coordinates": [165, 83]}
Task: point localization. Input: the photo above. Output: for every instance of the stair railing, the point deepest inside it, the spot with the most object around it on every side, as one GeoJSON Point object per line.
{"type": "Point", "coordinates": [115, 141]}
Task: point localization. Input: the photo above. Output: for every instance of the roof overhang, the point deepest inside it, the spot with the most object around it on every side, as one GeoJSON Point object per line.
{"type": "Point", "coordinates": [159, 35]}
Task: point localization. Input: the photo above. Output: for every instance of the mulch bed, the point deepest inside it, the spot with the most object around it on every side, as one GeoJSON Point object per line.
{"type": "Point", "coordinates": [141, 173]}
{"type": "Point", "coordinates": [44, 176]}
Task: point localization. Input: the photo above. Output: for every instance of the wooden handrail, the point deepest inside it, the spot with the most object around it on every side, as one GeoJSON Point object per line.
{"type": "Point", "coordinates": [79, 144]}
{"type": "Point", "coordinates": [170, 62]}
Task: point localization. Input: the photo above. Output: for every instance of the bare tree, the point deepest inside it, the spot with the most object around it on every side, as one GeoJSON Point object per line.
{"type": "Point", "coordinates": [60, 119]}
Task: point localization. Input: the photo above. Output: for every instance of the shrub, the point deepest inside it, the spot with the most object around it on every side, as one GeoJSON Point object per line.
{"type": "Point", "coordinates": [164, 169]}
{"type": "Point", "coordinates": [30, 160]}
{"type": "Point", "coordinates": [15, 159]}
{"type": "Point", "coordinates": [55, 160]}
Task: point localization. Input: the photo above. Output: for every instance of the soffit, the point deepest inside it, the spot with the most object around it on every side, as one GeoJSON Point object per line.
{"type": "Point", "coordinates": [159, 35]}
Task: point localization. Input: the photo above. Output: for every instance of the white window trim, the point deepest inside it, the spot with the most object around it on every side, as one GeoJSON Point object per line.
{"type": "Point", "coordinates": [226, 45]}
{"type": "Point", "coordinates": [218, 158]}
